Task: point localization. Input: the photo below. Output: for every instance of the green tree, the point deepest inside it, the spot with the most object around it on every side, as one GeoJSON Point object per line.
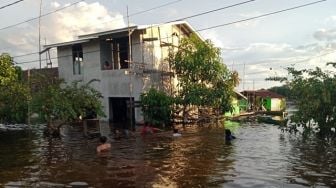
{"type": "Point", "coordinates": [8, 72]}
{"type": "Point", "coordinates": [156, 107]}
{"type": "Point", "coordinates": [14, 93]}
{"type": "Point", "coordinates": [203, 79]}
{"type": "Point", "coordinates": [314, 91]}
{"type": "Point", "coordinates": [58, 103]}
{"type": "Point", "coordinates": [14, 103]}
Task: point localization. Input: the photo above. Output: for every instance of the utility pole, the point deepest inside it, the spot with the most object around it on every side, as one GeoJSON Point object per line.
{"type": "Point", "coordinates": [244, 78]}
{"type": "Point", "coordinates": [28, 78]}
{"type": "Point", "coordinates": [130, 71]}
{"type": "Point", "coordinates": [39, 35]}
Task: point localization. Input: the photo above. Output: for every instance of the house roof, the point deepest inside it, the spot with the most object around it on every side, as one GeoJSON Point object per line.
{"type": "Point", "coordinates": [98, 34]}
{"type": "Point", "coordinates": [241, 95]}
{"type": "Point", "coordinates": [87, 37]}
{"type": "Point", "coordinates": [262, 93]}
{"type": "Point", "coordinates": [46, 47]}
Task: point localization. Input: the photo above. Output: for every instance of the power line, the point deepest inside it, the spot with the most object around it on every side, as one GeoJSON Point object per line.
{"type": "Point", "coordinates": [166, 4]}
{"type": "Point", "coordinates": [140, 12]}
{"type": "Point", "coordinates": [262, 15]}
{"type": "Point", "coordinates": [133, 14]}
{"type": "Point", "coordinates": [291, 62]}
{"type": "Point", "coordinates": [214, 10]}
{"type": "Point", "coordinates": [10, 4]}
{"type": "Point", "coordinates": [43, 15]}
{"type": "Point", "coordinates": [238, 21]}
{"type": "Point", "coordinates": [157, 7]}
{"type": "Point", "coordinates": [169, 3]}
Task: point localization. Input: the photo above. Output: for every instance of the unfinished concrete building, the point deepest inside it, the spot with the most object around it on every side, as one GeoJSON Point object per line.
{"type": "Point", "coordinates": [127, 61]}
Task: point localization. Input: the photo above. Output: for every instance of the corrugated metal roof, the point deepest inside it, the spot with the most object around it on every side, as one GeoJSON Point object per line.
{"type": "Point", "coordinates": [263, 93]}
{"type": "Point", "coordinates": [88, 37]}
{"type": "Point", "coordinates": [96, 35]}
{"type": "Point", "coordinates": [80, 41]}
{"type": "Point", "coordinates": [241, 95]}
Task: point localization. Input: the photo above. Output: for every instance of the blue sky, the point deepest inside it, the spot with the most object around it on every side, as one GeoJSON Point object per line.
{"type": "Point", "coordinates": [303, 38]}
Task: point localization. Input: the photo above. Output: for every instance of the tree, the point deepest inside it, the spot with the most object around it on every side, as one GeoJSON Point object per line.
{"type": "Point", "coordinates": [14, 103]}
{"type": "Point", "coordinates": [203, 79]}
{"type": "Point", "coordinates": [314, 91]}
{"type": "Point", "coordinates": [8, 72]}
{"type": "Point", "coordinates": [58, 103]}
{"type": "Point", "coordinates": [14, 93]}
{"type": "Point", "coordinates": [156, 107]}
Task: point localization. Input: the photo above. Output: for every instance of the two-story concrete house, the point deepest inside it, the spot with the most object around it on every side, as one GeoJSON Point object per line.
{"type": "Point", "coordinates": [126, 61]}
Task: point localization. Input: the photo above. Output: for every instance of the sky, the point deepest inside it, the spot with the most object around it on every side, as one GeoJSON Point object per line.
{"type": "Point", "coordinates": [257, 49]}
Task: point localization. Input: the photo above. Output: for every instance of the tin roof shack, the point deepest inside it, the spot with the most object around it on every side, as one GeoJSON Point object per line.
{"type": "Point", "coordinates": [265, 100]}
{"type": "Point", "coordinates": [126, 61]}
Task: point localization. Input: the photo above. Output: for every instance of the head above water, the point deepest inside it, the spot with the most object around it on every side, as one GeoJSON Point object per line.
{"type": "Point", "coordinates": [103, 139]}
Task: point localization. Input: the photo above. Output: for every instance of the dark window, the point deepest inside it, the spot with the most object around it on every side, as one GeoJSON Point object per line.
{"type": "Point", "coordinates": [114, 53]}
{"type": "Point", "coordinates": [106, 54]}
{"type": "Point", "coordinates": [77, 58]}
{"type": "Point", "coordinates": [123, 52]}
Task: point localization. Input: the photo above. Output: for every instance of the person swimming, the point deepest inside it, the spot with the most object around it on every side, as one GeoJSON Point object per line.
{"type": "Point", "coordinates": [148, 129]}
{"type": "Point", "coordinates": [103, 145]}
{"type": "Point", "coordinates": [228, 135]}
{"type": "Point", "coordinates": [176, 133]}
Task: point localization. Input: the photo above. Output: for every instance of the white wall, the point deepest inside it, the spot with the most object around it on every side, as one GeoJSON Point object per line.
{"type": "Point", "coordinates": [275, 104]}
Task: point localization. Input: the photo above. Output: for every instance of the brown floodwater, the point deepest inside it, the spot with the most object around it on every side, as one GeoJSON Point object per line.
{"type": "Point", "coordinates": [261, 156]}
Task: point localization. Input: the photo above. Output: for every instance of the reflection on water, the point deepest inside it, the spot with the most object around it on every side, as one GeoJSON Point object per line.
{"type": "Point", "coordinates": [261, 156]}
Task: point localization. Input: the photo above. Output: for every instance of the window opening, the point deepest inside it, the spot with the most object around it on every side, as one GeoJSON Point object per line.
{"type": "Point", "coordinates": [77, 58]}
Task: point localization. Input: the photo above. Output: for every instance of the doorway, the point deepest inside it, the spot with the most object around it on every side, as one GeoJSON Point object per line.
{"type": "Point", "coordinates": [119, 112]}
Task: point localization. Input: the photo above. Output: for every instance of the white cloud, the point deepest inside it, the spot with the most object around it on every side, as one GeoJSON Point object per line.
{"type": "Point", "coordinates": [250, 23]}
{"type": "Point", "coordinates": [80, 19]}
{"type": "Point", "coordinates": [325, 34]}
{"type": "Point", "coordinates": [214, 37]}
{"type": "Point", "coordinates": [65, 25]}
{"type": "Point", "coordinates": [55, 4]}
{"type": "Point", "coordinates": [330, 20]}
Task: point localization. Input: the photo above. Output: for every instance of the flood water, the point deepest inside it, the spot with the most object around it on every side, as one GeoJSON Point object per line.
{"type": "Point", "coordinates": [261, 156]}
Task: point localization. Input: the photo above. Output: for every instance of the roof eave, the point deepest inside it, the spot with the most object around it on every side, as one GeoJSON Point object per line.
{"type": "Point", "coordinates": [99, 34]}
{"type": "Point", "coordinates": [80, 41]}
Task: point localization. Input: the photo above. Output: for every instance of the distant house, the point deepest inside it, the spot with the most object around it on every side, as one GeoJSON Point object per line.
{"type": "Point", "coordinates": [239, 105]}
{"type": "Point", "coordinates": [265, 100]}
{"type": "Point", "coordinates": [126, 61]}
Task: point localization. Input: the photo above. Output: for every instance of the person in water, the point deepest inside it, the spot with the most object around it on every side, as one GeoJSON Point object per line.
{"type": "Point", "coordinates": [104, 146]}
{"type": "Point", "coordinates": [228, 135]}
{"type": "Point", "coordinates": [175, 132]}
{"type": "Point", "coordinates": [146, 128]}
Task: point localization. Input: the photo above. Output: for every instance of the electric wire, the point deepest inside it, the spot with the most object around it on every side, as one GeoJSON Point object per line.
{"type": "Point", "coordinates": [132, 14]}
{"type": "Point", "coordinates": [212, 11]}
{"type": "Point", "coordinates": [10, 4]}
{"type": "Point", "coordinates": [238, 21]}
{"type": "Point", "coordinates": [43, 15]}
{"type": "Point", "coordinates": [262, 15]}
